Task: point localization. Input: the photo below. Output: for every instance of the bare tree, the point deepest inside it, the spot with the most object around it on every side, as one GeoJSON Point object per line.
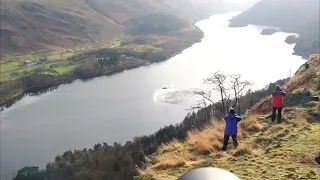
{"type": "Point", "coordinates": [238, 87]}
{"type": "Point", "coordinates": [227, 100]}
{"type": "Point", "coordinates": [250, 95]}
{"type": "Point", "coordinates": [206, 96]}
{"type": "Point", "coordinates": [219, 80]}
{"type": "Point", "coordinates": [203, 102]}
{"type": "Point", "coordinates": [220, 84]}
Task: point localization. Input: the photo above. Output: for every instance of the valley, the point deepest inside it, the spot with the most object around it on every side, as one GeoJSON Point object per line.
{"type": "Point", "coordinates": [123, 89]}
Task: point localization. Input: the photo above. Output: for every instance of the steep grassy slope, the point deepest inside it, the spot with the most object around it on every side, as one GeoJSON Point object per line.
{"type": "Point", "coordinates": [154, 23]}
{"type": "Point", "coordinates": [122, 10]}
{"type": "Point", "coordinates": [293, 16]}
{"type": "Point", "coordinates": [34, 25]}
{"type": "Point", "coordinates": [191, 10]}
{"type": "Point", "coordinates": [267, 151]}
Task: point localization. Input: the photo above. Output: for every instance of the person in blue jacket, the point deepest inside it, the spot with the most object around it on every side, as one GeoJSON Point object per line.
{"type": "Point", "coordinates": [231, 129]}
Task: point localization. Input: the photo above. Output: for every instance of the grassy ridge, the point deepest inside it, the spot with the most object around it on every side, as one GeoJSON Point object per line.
{"type": "Point", "coordinates": [266, 151]}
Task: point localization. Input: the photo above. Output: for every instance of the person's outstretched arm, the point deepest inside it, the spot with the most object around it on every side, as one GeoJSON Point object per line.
{"type": "Point", "coordinates": [284, 94]}
{"type": "Point", "coordinates": [239, 118]}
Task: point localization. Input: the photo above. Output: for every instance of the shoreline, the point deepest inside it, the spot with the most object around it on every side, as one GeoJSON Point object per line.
{"type": "Point", "coordinates": [89, 77]}
{"type": "Point", "coordinates": [70, 78]}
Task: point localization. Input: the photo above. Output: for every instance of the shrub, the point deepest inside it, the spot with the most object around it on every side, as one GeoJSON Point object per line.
{"type": "Point", "coordinates": [39, 70]}
{"type": "Point", "coordinates": [53, 66]}
{"type": "Point", "coordinates": [295, 99]}
{"type": "Point", "coordinates": [14, 74]}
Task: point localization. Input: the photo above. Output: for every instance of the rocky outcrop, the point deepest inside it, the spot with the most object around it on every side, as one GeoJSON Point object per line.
{"type": "Point", "coordinates": [292, 39]}
{"type": "Point", "coordinates": [268, 31]}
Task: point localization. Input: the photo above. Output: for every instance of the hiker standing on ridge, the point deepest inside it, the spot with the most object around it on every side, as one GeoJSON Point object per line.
{"type": "Point", "coordinates": [277, 103]}
{"type": "Point", "coordinates": [231, 129]}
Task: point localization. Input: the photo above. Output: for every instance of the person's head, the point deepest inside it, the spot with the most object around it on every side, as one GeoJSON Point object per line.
{"type": "Point", "coordinates": [278, 88]}
{"type": "Point", "coordinates": [232, 111]}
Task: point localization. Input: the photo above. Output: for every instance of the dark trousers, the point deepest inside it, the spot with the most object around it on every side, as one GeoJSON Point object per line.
{"type": "Point", "coordinates": [318, 159]}
{"type": "Point", "coordinates": [274, 111]}
{"type": "Point", "coordinates": [226, 141]}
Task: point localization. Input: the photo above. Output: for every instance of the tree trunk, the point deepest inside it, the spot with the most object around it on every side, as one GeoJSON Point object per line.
{"type": "Point", "coordinates": [222, 101]}
{"type": "Point", "coordinates": [235, 97]}
{"type": "Point", "coordinates": [239, 106]}
{"type": "Point", "coordinates": [239, 96]}
{"type": "Point", "coordinates": [227, 103]}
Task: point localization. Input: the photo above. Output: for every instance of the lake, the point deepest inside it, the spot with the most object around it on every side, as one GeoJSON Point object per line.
{"type": "Point", "coordinates": [119, 107]}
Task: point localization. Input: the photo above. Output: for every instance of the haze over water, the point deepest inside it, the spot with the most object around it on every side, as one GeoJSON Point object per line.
{"type": "Point", "coordinates": [116, 108]}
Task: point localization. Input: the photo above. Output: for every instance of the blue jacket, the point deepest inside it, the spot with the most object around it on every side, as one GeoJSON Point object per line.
{"type": "Point", "coordinates": [232, 124]}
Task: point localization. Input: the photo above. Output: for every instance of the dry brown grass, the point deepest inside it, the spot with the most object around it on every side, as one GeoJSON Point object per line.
{"type": "Point", "coordinates": [241, 150]}
{"type": "Point", "coordinates": [174, 146]}
{"type": "Point", "coordinates": [272, 147]}
{"type": "Point", "coordinates": [167, 161]}
{"type": "Point", "coordinates": [251, 124]}
{"type": "Point", "coordinates": [208, 140]}
{"type": "Point", "coordinates": [300, 123]}
{"type": "Point", "coordinates": [276, 128]}
{"type": "Point", "coordinates": [177, 155]}
{"type": "Point", "coordinates": [173, 155]}
{"type": "Point", "coordinates": [263, 107]}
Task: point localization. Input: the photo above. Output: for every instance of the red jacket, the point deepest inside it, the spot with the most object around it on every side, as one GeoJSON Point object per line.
{"type": "Point", "coordinates": [277, 98]}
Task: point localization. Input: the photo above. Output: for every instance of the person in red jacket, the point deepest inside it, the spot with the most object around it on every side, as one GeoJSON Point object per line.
{"type": "Point", "coordinates": [277, 103]}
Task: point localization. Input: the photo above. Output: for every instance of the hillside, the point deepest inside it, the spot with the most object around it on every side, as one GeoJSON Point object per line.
{"type": "Point", "coordinates": [294, 16]}
{"type": "Point", "coordinates": [48, 25]}
{"type": "Point", "coordinates": [266, 151]}
{"type": "Point", "coordinates": [39, 25]}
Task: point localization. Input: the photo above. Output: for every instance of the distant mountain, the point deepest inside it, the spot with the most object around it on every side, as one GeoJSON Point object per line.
{"type": "Point", "coordinates": [35, 25]}
{"type": "Point", "coordinates": [295, 16]}
{"type": "Point", "coordinates": [30, 25]}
